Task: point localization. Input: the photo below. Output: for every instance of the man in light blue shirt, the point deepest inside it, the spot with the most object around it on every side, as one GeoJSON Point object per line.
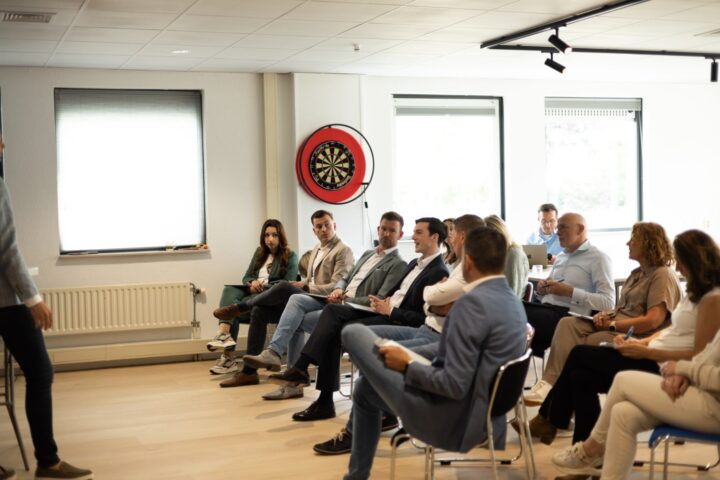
{"type": "Point", "coordinates": [548, 218]}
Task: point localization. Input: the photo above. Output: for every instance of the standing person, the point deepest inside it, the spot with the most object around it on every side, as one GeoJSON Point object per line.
{"type": "Point", "coordinates": [23, 315]}
{"type": "Point", "coordinates": [272, 261]}
{"type": "Point", "coordinates": [548, 219]}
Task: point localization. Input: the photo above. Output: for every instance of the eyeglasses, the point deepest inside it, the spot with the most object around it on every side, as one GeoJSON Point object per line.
{"type": "Point", "coordinates": [548, 222]}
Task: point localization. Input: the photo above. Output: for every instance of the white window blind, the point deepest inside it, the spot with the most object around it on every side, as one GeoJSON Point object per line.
{"type": "Point", "coordinates": [448, 156]}
{"type": "Point", "coordinates": [130, 169]}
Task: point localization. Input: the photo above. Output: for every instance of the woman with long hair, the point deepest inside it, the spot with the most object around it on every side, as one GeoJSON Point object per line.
{"type": "Point", "coordinates": [517, 267]}
{"type": "Point", "coordinates": [449, 257]}
{"type": "Point", "coordinates": [272, 261]}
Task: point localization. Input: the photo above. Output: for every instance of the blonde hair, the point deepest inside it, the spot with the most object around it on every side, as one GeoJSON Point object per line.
{"type": "Point", "coordinates": [497, 224]}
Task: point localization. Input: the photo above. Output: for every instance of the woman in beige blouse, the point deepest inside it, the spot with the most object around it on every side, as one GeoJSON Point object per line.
{"type": "Point", "coordinates": [649, 295]}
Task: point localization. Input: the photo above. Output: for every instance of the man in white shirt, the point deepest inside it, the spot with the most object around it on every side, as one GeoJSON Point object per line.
{"type": "Point", "coordinates": [439, 298]}
{"type": "Point", "coordinates": [404, 306]}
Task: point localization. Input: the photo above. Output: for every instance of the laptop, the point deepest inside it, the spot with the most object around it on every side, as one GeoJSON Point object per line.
{"type": "Point", "coordinates": [537, 254]}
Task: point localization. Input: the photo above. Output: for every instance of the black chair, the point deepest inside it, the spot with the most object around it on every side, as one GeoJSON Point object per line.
{"type": "Point", "coordinates": [7, 398]}
{"type": "Point", "coordinates": [505, 395]}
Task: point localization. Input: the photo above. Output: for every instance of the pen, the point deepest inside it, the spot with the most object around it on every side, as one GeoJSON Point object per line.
{"type": "Point", "coordinates": [629, 332]}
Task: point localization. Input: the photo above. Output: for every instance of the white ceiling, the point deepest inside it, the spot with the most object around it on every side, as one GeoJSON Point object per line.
{"type": "Point", "coordinates": [395, 37]}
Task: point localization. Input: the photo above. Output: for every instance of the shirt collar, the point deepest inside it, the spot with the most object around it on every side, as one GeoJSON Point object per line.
{"type": "Point", "coordinates": [477, 282]}
{"type": "Point", "coordinates": [583, 246]}
{"type": "Point", "coordinates": [422, 262]}
{"type": "Point", "coordinates": [386, 251]}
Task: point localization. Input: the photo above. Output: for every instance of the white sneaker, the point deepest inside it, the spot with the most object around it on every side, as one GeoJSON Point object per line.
{"type": "Point", "coordinates": [224, 365]}
{"type": "Point", "coordinates": [574, 461]}
{"type": "Point", "coordinates": [221, 340]}
{"type": "Point", "coordinates": [536, 395]}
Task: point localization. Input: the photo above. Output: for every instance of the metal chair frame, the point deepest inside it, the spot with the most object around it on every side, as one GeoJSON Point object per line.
{"type": "Point", "coordinates": [7, 398]}
{"type": "Point", "coordinates": [667, 434]}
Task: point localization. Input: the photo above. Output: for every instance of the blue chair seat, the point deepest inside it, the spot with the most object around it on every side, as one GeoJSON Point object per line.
{"type": "Point", "coordinates": [680, 433]}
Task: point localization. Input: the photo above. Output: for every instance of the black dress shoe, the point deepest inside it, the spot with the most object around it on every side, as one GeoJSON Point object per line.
{"type": "Point", "coordinates": [291, 375]}
{"type": "Point", "coordinates": [339, 444]}
{"type": "Point", "coordinates": [389, 422]}
{"type": "Point", "coordinates": [315, 412]}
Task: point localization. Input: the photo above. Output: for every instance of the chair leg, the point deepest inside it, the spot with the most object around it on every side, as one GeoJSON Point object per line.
{"type": "Point", "coordinates": [18, 435]}
{"type": "Point", "coordinates": [665, 463]}
{"type": "Point", "coordinates": [526, 440]}
{"type": "Point", "coordinates": [652, 460]}
{"type": "Point", "coordinates": [491, 446]}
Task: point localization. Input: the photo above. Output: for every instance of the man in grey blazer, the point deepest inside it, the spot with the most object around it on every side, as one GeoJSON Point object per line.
{"type": "Point", "coordinates": [23, 315]}
{"type": "Point", "coordinates": [443, 402]}
{"type": "Point", "coordinates": [377, 271]}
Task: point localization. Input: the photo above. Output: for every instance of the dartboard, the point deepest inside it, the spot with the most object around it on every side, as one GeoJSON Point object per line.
{"type": "Point", "coordinates": [332, 165]}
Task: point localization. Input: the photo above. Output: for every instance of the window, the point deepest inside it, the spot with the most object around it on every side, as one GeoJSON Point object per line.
{"type": "Point", "coordinates": [593, 156]}
{"type": "Point", "coordinates": [455, 141]}
{"type": "Point", "coordinates": [130, 169]}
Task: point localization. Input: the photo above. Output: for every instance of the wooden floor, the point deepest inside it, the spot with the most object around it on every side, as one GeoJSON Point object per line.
{"type": "Point", "coordinates": [174, 422]}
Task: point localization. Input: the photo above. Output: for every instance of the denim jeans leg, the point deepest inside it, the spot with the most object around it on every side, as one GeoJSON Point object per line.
{"type": "Point", "coordinates": [297, 342]}
{"type": "Point", "coordinates": [295, 309]}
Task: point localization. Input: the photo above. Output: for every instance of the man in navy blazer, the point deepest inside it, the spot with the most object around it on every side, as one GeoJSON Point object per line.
{"type": "Point", "coordinates": [402, 306]}
{"type": "Point", "coordinates": [442, 403]}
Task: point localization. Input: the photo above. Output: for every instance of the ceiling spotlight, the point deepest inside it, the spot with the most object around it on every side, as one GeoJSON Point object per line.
{"type": "Point", "coordinates": [714, 71]}
{"type": "Point", "coordinates": [554, 65]}
{"type": "Point", "coordinates": [558, 43]}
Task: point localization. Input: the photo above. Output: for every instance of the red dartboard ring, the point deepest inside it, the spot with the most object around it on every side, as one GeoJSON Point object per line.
{"type": "Point", "coordinates": [331, 164]}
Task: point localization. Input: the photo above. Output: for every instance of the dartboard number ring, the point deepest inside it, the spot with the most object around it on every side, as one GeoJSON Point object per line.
{"type": "Point", "coordinates": [332, 165]}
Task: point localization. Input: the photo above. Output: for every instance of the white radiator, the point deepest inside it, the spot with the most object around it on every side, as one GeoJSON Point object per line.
{"type": "Point", "coordinates": [113, 308]}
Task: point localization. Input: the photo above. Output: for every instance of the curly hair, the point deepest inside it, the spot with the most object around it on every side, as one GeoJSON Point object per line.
{"type": "Point", "coordinates": [655, 243]}
{"type": "Point", "coordinates": [700, 256]}
{"type": "Point", "coordinates": [283, 252]}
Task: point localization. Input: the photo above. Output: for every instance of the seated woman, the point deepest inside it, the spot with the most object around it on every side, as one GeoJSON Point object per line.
{"type": "Point", "coordinates": [517, 267]}
{"type": "Point", "coordinates": [688, 396]}
{"type": "Point", "coordinates": [449, 257]}
{"type": "Point", "coordinates": [272, 261]}
{"type": "Point", "coordinates": [590, 370]}
{"type": "Point", "coordinates": [650, 293]}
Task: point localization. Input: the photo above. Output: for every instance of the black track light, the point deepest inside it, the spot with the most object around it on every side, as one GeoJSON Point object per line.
{"type": "Point", "coordinates": [714, 71]}
{"type": "Point", "coordinates": [558, 43]}
{"type": "Point", "coordinates": [554, 65]}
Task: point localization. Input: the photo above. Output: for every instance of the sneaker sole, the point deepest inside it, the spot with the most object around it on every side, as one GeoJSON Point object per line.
{"type": "Point", "coordinates": [529, 402]}
{"type": "Point", "coordinates": [212, 346]}
{"type": "Point", "coordinates": [81, 477]}
{"type": "Point", "coordinates": [589, 471]}
{"type": "Point", "coordinates": [255, 364]}
{"type": "Point", "coordinates": [328, 452]}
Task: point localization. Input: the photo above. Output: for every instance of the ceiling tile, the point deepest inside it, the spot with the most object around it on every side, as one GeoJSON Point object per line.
{"type": "Point", "coordinates": [426, 16]}
{"type": "Point", "coordinates": [96, 48]}
{"type": "Point", "coordinates": [23, 59]}
{"type": "Point", "coordinates": [555, 7]}
{"type": "Point", "coordinates": [462, 34]}
{"type": "Point", "coordinates": [507, 20]}
{"type": "Point", "coordinates": [464, 4]}
{"type": "Point", "coordinates": [194, 51]}
{"type": "Point", "coordinates": [703, 13]}
{"type": "Point", "coordinates": [197, 38]}
{"type": "Point", "coordinates": [93, 18]}
{"type": "Point", "coordinates": [244, 8]}
{"type": "Point", "coordinates": [656, 28]}
{"type": "Point", "coordinates": [302, 67]}
{"type": "Point", "coordinates": [230, 65]}
{"type": "Point", "coordinates": [110, 35]}
{"type": "Point", "coordinates": [143, 6]}
{"type": "Point", "coordinates": [340, 12]}
{"type": "Point", "coordinates": [303, 27]}
{"type": "Point", "coordinates": [87, 61]}
{"type": "Point", "coordinates": [678, 42]}
{"type": "Point", "coordinates": [607, 40]}
{"type": "Point", "coordinates": [257, 54]}
{"type": "Point", "coordinates": [381, 31]}
{"type": "Point", "coordinates": [655, 8]}
{"type": "Point", "coordinates": [31, 31]}
{"type": "Point", "coordinates": [209, 23]}
{"type": "Point", "coordinates": [372, 2]}
{"type": "Point", "coordinates": [38, 46]}
{"type": "Point", "coordinates": [599, 24]}
{"type": "Point", "coordinates": [398, 58]}
{"type": "Point", "coordinates": [279, 41]}
{"type": "Point", "coordinates": [161, 63]}
{"type": "Point", "coordinates": [428, 48]}
{"type": "Point", "coordinates": [315, 55]}
{"type": "Point", "coordinates": [367, 45]}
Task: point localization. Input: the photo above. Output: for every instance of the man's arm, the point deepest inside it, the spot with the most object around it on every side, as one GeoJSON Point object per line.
{"type": "Point", "coordinates": [464, 332]}
{"type": "Point", "coordinates": [392, 277]}
{"type": "Point", "coordinates": [446, 292]}
{"type": "Point", "coordinates": [603, 297]}
{"type": "Point", "coordinates": [414, 315]}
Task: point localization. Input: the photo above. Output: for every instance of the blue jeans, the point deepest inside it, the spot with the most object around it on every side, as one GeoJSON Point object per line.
{"type": "Point", "coordinates": [300, 315]}
{"type": "Point", "coordinates": [380, 390]}
{"type": "Point", "coordinates": [406, 336]}
{"type": "Point", "coordinates": [27, 345]}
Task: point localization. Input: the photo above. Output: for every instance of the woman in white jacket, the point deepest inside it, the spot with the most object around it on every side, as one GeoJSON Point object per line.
{"type": "Point", "coordinates": [686, 396]}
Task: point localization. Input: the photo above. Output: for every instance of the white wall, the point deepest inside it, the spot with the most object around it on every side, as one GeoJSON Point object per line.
{"type": "Point", "coordinates": [680, 169]}
{"type": "Point", "coordinates": [234, 177]}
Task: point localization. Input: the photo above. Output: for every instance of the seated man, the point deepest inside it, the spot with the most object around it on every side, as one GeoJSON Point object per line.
{"type": "Point", "coordinates": [377, 271]}
{"type": "Point", "coordinates": [439, 298]}
{"type": "Point", "coordinates": [548, 218]}
{"type": "Point", "coordinates": [581, 281]}
{"type": "Point", "coordinates": [330, 260]}
{"type": "Point", "coordinates": [443, 403]}
{"type": "Point", "coordinates": [403, 307]}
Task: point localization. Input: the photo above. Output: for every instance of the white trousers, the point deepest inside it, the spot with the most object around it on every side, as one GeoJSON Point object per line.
{"type": "Point", "coordinates": [636, 403]}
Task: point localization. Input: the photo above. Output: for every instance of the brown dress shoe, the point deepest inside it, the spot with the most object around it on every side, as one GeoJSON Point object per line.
{"type": "Point", "coordinates": [539, 428]}
{"type": "Point", "coordinates": [241, 379]}
{"type": "Point", "coordinates": [229, 312]}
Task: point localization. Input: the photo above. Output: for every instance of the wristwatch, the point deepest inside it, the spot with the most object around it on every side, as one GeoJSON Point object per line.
{"type": "Point", "coordinates": [612, 327]}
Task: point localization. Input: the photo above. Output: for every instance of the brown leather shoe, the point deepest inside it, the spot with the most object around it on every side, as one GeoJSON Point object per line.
{"type": "Point", "coordinates": [540, 428]}
{"type": "Point", "coordinates": [241, 379]}
{"type": "Point", "coordinates": [229, 312]}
